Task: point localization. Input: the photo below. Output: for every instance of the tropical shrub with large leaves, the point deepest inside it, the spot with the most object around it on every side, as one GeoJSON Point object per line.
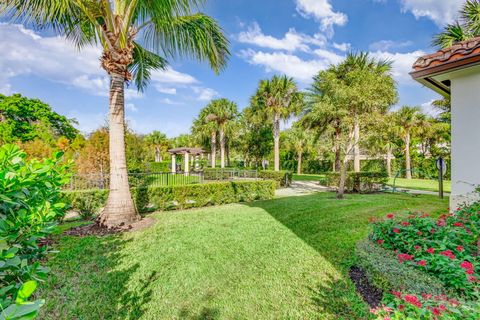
{"type": "Point", "coordinates": [30, 206]}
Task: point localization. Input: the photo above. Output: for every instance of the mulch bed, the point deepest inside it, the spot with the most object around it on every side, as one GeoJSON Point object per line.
{"type": "Point", "coordinates": [371, 295]}
{"type": "Point", "coordinates": [95, 229]}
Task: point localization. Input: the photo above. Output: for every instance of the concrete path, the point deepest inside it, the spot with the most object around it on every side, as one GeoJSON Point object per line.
{"type": "Point", "coordinates": [301, 188]}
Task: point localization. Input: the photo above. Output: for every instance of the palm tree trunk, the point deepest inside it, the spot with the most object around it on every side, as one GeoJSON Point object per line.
{"type": "Point", "coordinates": [356, 148]}
{"type": "Point", "coordinates": [276, 140]}
{"type": "Point", "coordinates": [158, 157]}
{"type": "Point", "coordinates": [408, 165]}
{"type": "Point", "coordinates": [337, 164]}
{"type": "Point", "coordinates": [343, 178]}
{"type": "Point", "coordinates": [222, 148]}
{"type": "Point", "coordinates": [344, 167]}
{"type": "Point", "coordinates": [120, 209]}
{"type": "Point", "coordinates": [214, 148]}
{"type": "Point", "coordinates": [299, 164]}
{"type": "Point", "coordinates": [389, 162]}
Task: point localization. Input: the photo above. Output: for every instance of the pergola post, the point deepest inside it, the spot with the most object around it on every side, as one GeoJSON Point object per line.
{"type": "Point", "coordinates": [174, 163]}
{"type": "Point", "coordinates": [186, 162]}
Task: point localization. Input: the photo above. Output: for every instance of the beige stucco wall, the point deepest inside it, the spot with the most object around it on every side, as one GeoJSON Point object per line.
{"type": "Point", "coordinates": [465, 137]}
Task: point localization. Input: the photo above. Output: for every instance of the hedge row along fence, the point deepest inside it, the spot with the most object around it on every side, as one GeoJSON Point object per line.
{"type": "Point", "coordinates": [282, 178]}
{"type": "Point", "coordinates": [360, 182]}
{"type": "Point", "coordinates": [177, 197]}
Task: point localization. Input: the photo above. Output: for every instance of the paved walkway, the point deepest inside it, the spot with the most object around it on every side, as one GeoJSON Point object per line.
{"type": "Point", "coordinates": [301, 188]}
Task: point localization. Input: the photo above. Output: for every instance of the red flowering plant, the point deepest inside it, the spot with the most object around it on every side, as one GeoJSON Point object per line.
{"type": "Point", "coordinates": [426, 306]}
{"type": "Point", "coordinates": [446, 247]}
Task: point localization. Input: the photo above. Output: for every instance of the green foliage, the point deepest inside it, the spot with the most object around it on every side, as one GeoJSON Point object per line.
{"type": "Point", "coordinates": [407, 306]}
{"type": "Point", "coordinates": [282, 178]}
{"type": "Point", "coordinates": [23, 119]}
{"type": "Point", "coordinates": [294, 252]}
{"type": "Point", "coordinates": [358, 181]}
{"type": "Point", "coordinates": [163, 166]}
{"type": "Point", "coordinates": [466, 28]}
{"type": "Point", "coordinates": [180, 197]}
{"type": "Point", "coordinates": [88, 202]}
{"type": "Point", "coordinates": [446, 248]}
{"type": "Point", "coordinates": [30, 205]}
{"type": "Point", "coordinates": [385, 271]}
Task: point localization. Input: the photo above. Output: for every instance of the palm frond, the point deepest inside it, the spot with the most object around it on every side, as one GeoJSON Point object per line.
{"type": "Point", "coordinates": [144, 63]}
{"type": "Point", "coordinates": [470, 14]}
{"type": "Point", "coordinates": [195, 36]}
{"type": "Point", "coordinates": [452, 34]}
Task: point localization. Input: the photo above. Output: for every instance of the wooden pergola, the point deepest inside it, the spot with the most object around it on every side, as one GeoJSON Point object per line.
{"type": "Point", "coordinates": [186, 152]}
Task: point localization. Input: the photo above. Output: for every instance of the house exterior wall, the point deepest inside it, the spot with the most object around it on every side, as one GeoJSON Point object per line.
{"type": "Point", "coordinates": [465, 96]}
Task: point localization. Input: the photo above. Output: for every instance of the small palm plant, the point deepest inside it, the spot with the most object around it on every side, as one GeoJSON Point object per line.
{"type": "Point", "coordinates": [466, 28]}
{"type": "Point", "coordinates": [137, 37]}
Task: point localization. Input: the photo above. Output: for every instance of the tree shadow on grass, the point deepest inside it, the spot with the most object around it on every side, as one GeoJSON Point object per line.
{"type": "Point", "coordinates": [87, 281]}
{"type": "Point", "coordinates": [332, 229]}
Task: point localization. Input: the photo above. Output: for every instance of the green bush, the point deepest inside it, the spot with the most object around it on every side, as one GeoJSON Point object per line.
{"type": "Point", "coordinates": [182, 197]}
{"type": "Point", "coordinates": [30, 205]}
{"type": "Point", "coordinates": [385, 271]}
{"type": "Point", "coordinates": [158, 166]}
{"type": "Point", "coordinates": [283, 178]}
{"type": "Point", "coordinates": [358, 181]}
{"type": "Point", "coordinates": [87, 202]}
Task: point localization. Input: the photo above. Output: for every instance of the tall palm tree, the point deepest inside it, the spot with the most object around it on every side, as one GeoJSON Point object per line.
{"type": "Point", "coordinates": [206, 131]}
{"type": "Point", "coordinates": [223, 114]}
{"type": "Point", "coordinates": [137, 36]}
{"type": "Point", "coordinates": [299, 140]}
{"type": "Point", "coordinates": [275, 100]}
{"type": "Point", "coordinates": [361, 64]}
{"type": "Point", "coordinates": [408, 118]}
{"type": "Point", "coordinates": [159, 142]}
{"type": "Point", "coordinates": [466, 28]}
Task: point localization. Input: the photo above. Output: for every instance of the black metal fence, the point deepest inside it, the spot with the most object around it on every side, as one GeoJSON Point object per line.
{"type": "Point", "coordinates": [136, 180]}
{"type": "Point", "coordinates": [160, 179]}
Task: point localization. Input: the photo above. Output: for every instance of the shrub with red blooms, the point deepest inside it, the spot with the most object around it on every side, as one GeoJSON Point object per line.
{"type": "Point", "coordinates": [447, 247]}
{"type": "Point", "coordinates": [398, 305]}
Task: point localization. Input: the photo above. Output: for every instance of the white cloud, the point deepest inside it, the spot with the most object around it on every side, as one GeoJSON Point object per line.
{"type": "Point", "coordinates": [323, 12]}
{"type": "Point", "coordinates": [170, 102]}
{"type": "Point", "coordinates": [439, 11]}
{"type": "Point", "coordinates": [131, 107]}
{"type": "Point", "coordinates": [429, 109]}
{"type": "Point", "coordinates": [292, 41]}
{"type": "Point", "coordinates": [402, 63]}
{"type": "Point", "coordinates": [88, 122]}
{"type": "Point", "coordinates": [342, 46]}
{"type": "Point", "coordinates": [205, 94]}
{"type": "Point", "coordinates": [291, 65]}
{"type": "Point", "coordinates": [172, 76]}
{"type": "Point", "coordinates": [171, 91]}
{"type": "Point", "coordinates": [386, 45]}
{"type": "Point", "coordinates": [25, 52]}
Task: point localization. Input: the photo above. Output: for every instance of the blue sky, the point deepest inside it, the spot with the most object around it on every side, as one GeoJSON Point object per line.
{"type": "Point", "coordinates": [293, 37]}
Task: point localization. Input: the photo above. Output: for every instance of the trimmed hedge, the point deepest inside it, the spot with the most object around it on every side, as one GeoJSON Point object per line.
{"type": "Point", "coordinates": [283, 178]}
{"type": "Point", "coordinates": [179, 197]}
{"type": "Point", "coordinates": [358, 181]}
{"type": "Point", "coordinates": [383, 270]}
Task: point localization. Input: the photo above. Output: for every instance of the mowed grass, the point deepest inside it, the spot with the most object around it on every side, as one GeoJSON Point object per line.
{"type": "Point", "coordinates": [286, 258]}
{"type": "Point", "coordinates": [308, 177]}
{"type": "Point", "coordinates": [420, 184]}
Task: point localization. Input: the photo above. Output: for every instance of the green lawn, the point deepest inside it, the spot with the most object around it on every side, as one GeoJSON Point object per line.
{"type": "Point", "coordinates": [308, 177]}
{"type": "Point", "coordinates": [420, 184]}
{"type": "Point", "coordinates": [286, 258]}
